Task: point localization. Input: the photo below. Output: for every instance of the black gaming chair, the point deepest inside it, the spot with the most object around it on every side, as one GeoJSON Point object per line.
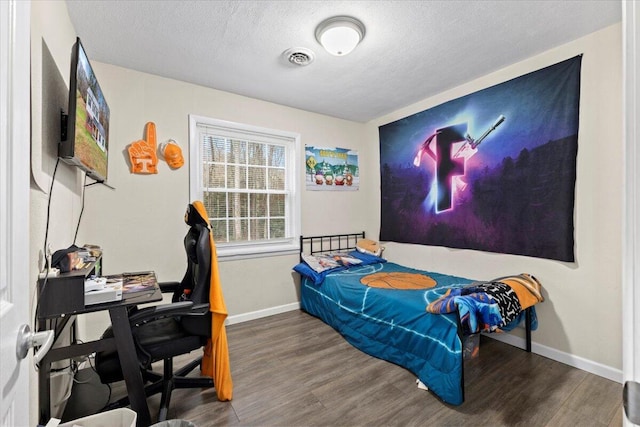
{"type": "Point", "coordinates": [164, 331]}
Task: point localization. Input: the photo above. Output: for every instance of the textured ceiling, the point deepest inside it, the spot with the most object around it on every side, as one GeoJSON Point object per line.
{"type": "Point", "coordinates": [411, 50]}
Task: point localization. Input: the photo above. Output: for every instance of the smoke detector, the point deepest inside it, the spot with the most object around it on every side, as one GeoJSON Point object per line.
{"type": "Point", "coordinates": [300, 56]}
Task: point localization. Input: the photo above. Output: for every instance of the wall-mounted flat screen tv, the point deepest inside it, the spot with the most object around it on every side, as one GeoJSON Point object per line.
{"type": "Point", "coordinates": [85, 135]}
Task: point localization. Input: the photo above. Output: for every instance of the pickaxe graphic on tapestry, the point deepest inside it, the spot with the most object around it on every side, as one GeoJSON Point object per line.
{"type": "Point", "coordinates": [494, 170]}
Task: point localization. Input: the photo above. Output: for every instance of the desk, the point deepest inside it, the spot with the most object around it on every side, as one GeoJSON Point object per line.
{"type": "Point", "coordinates": [122, 341]}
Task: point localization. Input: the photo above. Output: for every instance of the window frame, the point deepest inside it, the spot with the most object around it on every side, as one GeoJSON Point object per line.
{"type": "Point", "coordinates": [291, 142]}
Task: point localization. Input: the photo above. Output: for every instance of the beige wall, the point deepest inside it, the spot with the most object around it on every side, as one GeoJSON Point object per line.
{"type": "Point", "coordinates": [52, 36]}
{"type": "Point", "coordinates": [140, 223]}
{"type": "Point", "coordinates": [581, 315]}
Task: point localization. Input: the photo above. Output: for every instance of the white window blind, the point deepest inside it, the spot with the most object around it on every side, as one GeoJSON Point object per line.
{"type": "Point", "coordinates": [246, 178]}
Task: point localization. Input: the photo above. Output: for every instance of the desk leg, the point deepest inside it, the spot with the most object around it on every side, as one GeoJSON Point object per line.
{"type": "Point", "coordinates": [44, 389]}
{"type": "Point", "coordinates": [129, 363]}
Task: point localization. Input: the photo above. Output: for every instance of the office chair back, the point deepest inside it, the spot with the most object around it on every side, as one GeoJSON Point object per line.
{"type": "Point", "coordinates": [195, 284]}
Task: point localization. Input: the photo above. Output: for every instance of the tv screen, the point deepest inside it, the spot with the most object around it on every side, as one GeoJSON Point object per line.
{"type": "Point", "coordinates": [87, 129]}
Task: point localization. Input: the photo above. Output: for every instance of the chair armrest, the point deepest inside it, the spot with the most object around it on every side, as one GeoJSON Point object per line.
{"type": "Point", "coordinates": [162, 310]}
{"type": "Point", "coordinates": [198, 310]}
{"type": "Point", "coordinates": [166, 287]}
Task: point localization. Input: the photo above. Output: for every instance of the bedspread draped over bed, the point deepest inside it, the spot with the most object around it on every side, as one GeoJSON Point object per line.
{"type": "Point", "coordinates": [388, 319]}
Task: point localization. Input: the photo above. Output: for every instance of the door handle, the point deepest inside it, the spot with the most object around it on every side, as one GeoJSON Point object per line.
{"type": "Point", "coordinates": [28, 339]}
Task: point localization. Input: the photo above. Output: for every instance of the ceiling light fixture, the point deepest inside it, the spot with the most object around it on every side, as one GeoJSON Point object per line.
{"type": "Point", "coordinates": [340, 35]}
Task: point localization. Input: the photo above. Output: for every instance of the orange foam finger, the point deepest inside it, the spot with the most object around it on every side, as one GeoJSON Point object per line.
{"type": "Point", "coordinates": [143, 159]}
{"type": "Point", "coordinates": [150, 135]}
{"type": "Point", "coordinates": [135, 148]}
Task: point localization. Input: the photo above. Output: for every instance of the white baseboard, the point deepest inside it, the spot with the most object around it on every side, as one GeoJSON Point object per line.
{"type": "Point", "coordinates": [245, 317]}
{"type": "Point", "coordinates": [562, 357]}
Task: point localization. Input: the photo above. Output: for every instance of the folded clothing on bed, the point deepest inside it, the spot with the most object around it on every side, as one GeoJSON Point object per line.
{"type": "Point", "coordinates": [490, 306]}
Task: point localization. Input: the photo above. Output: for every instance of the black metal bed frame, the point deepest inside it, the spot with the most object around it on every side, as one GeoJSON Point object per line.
{"type": "Point", "coordinates": [329, 243]}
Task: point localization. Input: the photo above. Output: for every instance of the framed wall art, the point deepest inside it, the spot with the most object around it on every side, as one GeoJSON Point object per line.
{"type": "Point", "coordinates": [331, 169]}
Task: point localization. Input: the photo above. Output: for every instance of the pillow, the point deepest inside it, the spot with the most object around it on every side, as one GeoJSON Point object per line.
{"type": "Point", "coordinates": [367, 246]}
{"type": "Point", "coordinates": [366, 258]}
{"type": "Point", "coordinates": [321, 262]}
{"type": "Point", "coordinates": [304, 268]}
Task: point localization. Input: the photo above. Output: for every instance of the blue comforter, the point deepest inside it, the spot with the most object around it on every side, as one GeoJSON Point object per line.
{"type": "Point", "coordinates": [393, 324]}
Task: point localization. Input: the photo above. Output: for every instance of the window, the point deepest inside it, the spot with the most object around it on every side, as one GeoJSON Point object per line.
{"type": "Point", "coordinates": [246, 178]}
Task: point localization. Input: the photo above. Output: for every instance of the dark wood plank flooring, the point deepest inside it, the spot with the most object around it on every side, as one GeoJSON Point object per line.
{"type": "Point", "coordinates": [293, 370]}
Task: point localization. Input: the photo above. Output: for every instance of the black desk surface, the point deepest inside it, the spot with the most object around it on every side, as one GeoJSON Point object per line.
{"type": "Point", "coordinates": [151, 294]}
{"type": "Point", "coordinates": [142, 297]}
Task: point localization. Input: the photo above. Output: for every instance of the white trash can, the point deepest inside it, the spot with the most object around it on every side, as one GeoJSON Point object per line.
{"type": "Point", "coordinates": [121, 417]}
{"type": "Point", "coordinates": [174, 423]}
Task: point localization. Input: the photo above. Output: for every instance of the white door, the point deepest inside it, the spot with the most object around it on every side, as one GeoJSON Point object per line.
{"type": "Point", "coordinates": [14, 207]}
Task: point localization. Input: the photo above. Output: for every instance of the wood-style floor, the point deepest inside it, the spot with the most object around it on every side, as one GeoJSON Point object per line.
{"type": "Point", "coordinates": [293, 370]}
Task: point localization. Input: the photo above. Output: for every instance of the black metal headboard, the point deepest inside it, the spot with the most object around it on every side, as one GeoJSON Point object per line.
{"type": "Point", "coordinates": [329, 243]}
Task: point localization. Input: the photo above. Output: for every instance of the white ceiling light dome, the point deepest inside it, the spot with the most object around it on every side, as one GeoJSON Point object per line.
{"type": "Point", "coordinates": [339, 35]}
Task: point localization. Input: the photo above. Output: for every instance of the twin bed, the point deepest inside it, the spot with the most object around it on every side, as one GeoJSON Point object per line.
{"type": "Point", "coordinates": [413, 318]}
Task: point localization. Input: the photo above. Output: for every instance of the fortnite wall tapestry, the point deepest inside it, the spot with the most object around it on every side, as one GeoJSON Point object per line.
{"type": "Point", "coordinates": [492, 171]}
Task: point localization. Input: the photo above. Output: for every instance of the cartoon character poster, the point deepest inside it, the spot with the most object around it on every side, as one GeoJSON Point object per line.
{"type": "Point", "coordinates": [493, 171]}
{"type": "Point", "coordinates": [331, 169]}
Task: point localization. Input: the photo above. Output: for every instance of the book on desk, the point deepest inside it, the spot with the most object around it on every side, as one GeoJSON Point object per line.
{"type": "Point", "coordinates": [113, 287]}
{"type": "Point", "coordinates": [140, 281]}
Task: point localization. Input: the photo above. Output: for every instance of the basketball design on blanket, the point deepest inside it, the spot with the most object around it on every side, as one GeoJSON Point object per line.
{"type": "Point", "coordinates": [398, 280]}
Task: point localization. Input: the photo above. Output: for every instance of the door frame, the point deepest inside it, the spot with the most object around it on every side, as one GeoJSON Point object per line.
{"type": "Point", "coordinates": [14, 210]}
{"type": "Point", "coordinates": [631, 203]}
